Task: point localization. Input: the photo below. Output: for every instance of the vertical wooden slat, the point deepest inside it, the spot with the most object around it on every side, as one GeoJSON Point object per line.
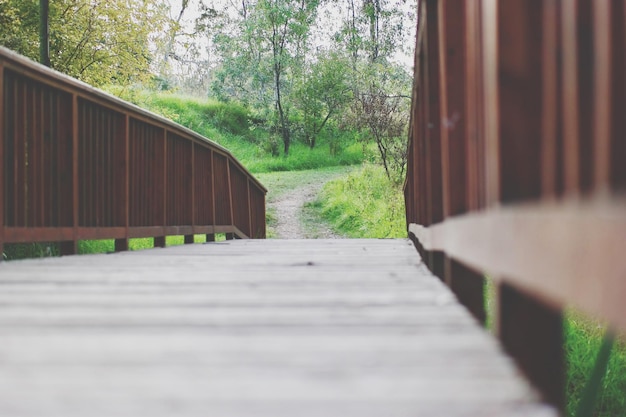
{"type": "Point", "coordinates": [469, 287]}
{"type": "Point", "coordinates": [210, 237]}
{"type": "Point", "coordinates": [230, 192]}
{"type": "Point", "coordinates": [21, 139]}
{"type": "Point", "coordinates": [491, 121]}
{"type": "Point", "coordinates": [586, 90]}
{"type": "Point", "coordinates": [602, 94]}
{"type": "Point", "coordinates": [190, 238]}
{"type": "Point", "coordinates": [618, 99]}
{"type": "Point", "coordinates": [433, 163]}
{"type": "Point", "coordinates": [447, 77]}
{"type": "Point", "coordinates": [36, 157]}
{"type": "Point", "coordinates": [550, 102]}
{"type": "Point", "coordinates": [466, 284]}
{"type": "Point", "coordinates": [3, 135]}
{"type": "Point", "coordinates": [249, 205]}
{"type": "Point", "coordinates": [160, 241]}
{"type": "Point", "coordinates": [71, 247]}
{"type": "Point", "coordinates": [121, 245]}
{"type": "Point", "coordinates": [194, 209]}
{"type": "Point", "coordinates": [473, 105]}
{"type": "Point", "coordinates": [533, 334]}
{"type": "Point", "coordinates": [521, 90]}
{"type": "Point", "coordinates": [571, 142]}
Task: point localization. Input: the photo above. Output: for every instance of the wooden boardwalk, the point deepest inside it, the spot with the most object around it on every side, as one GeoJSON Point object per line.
{"type": "Point", "coordinates": [247, 328]}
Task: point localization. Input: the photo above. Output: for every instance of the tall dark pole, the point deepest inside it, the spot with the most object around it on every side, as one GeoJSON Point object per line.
{"type": "Point", "coordinates": [44, 32]}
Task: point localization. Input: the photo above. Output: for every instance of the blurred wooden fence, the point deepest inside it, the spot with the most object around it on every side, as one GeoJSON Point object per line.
{"type": "Point", "coordinates": [517, 164]}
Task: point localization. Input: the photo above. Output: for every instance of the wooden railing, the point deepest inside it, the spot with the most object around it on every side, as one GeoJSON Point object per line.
{"type": "Point", "coordinates": [517, 165]}
{"type": "Point", "coordinates": [80, 164]}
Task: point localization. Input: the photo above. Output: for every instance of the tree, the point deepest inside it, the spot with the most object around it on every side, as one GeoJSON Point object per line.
{"type": "Point", "coordinates": [321, 93]}
{"type": "Point", "coordinates": [44, 32]}
{"type": "Point", "coordinates": [285, 25]}
{"type": "Point", "coordinates": [97, 41]}
{"type": "Point", "coordinates": [372, 35]}
{"type": "Point", "coordinates": [386, 119]}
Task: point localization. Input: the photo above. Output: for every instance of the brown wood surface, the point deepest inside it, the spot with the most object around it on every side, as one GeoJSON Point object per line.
{"type": "Point", "coordinates": [584, 241]}
{"type": "Point", "coordinates": [2, 124]}
{"type": "Point", "coordinates": [57, 80]}
{"type": "Point", "coordinates": [247, 328]}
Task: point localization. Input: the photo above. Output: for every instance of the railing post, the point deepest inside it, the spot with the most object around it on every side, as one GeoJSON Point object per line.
{"type": "Point", "coordinates": [2, 164]}
{"type": "Point", "coordinates": [71, 247]}
{"type": "Point", "coordinates": [455, 142]}
{"type": "Point", "coordinates": [433, 169]}
{"type": "Point", "coordinates": [602, 95]}
{"type": "Point", "coordinates": [230, 236]}
{"type": "Point", "coordinates": [533, 334]}
{"type": "Point", "coordinates": [121, 245]}
{"type": "Point", "coordinates": [251, 233]}
{"type": "Point", "coordinates": [189, 239]}
{"type": "Point", "coordinates": [210, 237]}
{"type": "Point", "coordinates": [530, 331]}
{"type": "Point", "coordinates": [159, 241]}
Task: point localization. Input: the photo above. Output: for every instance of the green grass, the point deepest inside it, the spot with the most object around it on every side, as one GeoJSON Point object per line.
{"type": "Point", "coordinates": [16, 251]}
{"type": "Point", "coordinates": [583, 337]}
{"type": "Point", "coordinates": [364, 204]}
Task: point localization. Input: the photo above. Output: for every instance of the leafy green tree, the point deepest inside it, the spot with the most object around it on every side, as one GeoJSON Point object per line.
{"type": "Point", "coordinates": [321, 93]}
{"type": "Point", "coordinates": [371, 36]}
{"type": "Point", "coordinates": [285, 26]}
{"type": "Point", "coordinates": [262, 50]}
{"type": "Point", "coordinates": [97, 41]}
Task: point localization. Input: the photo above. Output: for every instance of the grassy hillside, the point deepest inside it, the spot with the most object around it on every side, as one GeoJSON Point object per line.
{"type": "Point", "coordinates": [244, 133]}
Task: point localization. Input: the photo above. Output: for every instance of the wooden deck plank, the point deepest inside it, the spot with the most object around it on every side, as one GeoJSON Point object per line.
{"type": "Point", "coordinates": [247, 328]}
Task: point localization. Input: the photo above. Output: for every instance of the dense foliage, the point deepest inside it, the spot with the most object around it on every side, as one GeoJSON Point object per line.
{"type": "Point", "coordinates": [302, 70]}
{"type": "Point", "coordinates": [317, 65]}
{"type": "Point", "coordinates": [97, 41]}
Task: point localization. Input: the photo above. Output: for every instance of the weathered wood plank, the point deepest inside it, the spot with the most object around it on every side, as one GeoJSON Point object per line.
{"type": "Point", "coordinates": [247, 328]}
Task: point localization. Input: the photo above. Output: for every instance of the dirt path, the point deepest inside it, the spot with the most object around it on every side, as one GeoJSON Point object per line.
{"type": "Point", "coordinates": [288, 193]}
{"type": "Point", "coordinates": [289, 215]}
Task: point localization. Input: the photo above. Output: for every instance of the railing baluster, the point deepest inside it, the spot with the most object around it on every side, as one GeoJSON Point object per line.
{"type": "Point", "coordinates": [571, 96]}
{"type": "Point", "coordinates": [121, 245]}
{"type": "Point", "coordinates": [70, 248]}
{"type": "Point", "coordinates": [79, 164]}
{"type": "Point", "coordinates": [533, 334]}
{"type": "Point", "coordinates": [602, 98]}
{"type": "Point", "coordinates": [230, 236]}
{"type": "Point", "coordinates": [618, 102]}
{"type": "Point", "coordinates": [2, 161]}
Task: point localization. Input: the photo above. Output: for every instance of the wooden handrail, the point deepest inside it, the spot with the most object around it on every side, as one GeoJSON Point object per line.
{"type": "Point", "coordinates": [78, 163]}
{"type": "Point", "coordinates": [516, 165]}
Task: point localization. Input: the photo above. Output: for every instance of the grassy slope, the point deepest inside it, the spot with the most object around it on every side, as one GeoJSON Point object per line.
{"type": "Point", "coordinates": [364, 204]}
{"type": "Point", "coordinates": [230, 125]}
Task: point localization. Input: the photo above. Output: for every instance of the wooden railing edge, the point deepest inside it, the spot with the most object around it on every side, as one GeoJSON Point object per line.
{"type": "Point", "coordinates": [550, 250]}
{"type": "Point", "coordinates": [18, 60]}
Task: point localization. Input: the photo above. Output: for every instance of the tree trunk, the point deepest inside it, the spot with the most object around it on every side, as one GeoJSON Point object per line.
{"type": "Point", "coordinates": [44, 32]}
{"type": "Point", "coordinates": [284, 123]}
